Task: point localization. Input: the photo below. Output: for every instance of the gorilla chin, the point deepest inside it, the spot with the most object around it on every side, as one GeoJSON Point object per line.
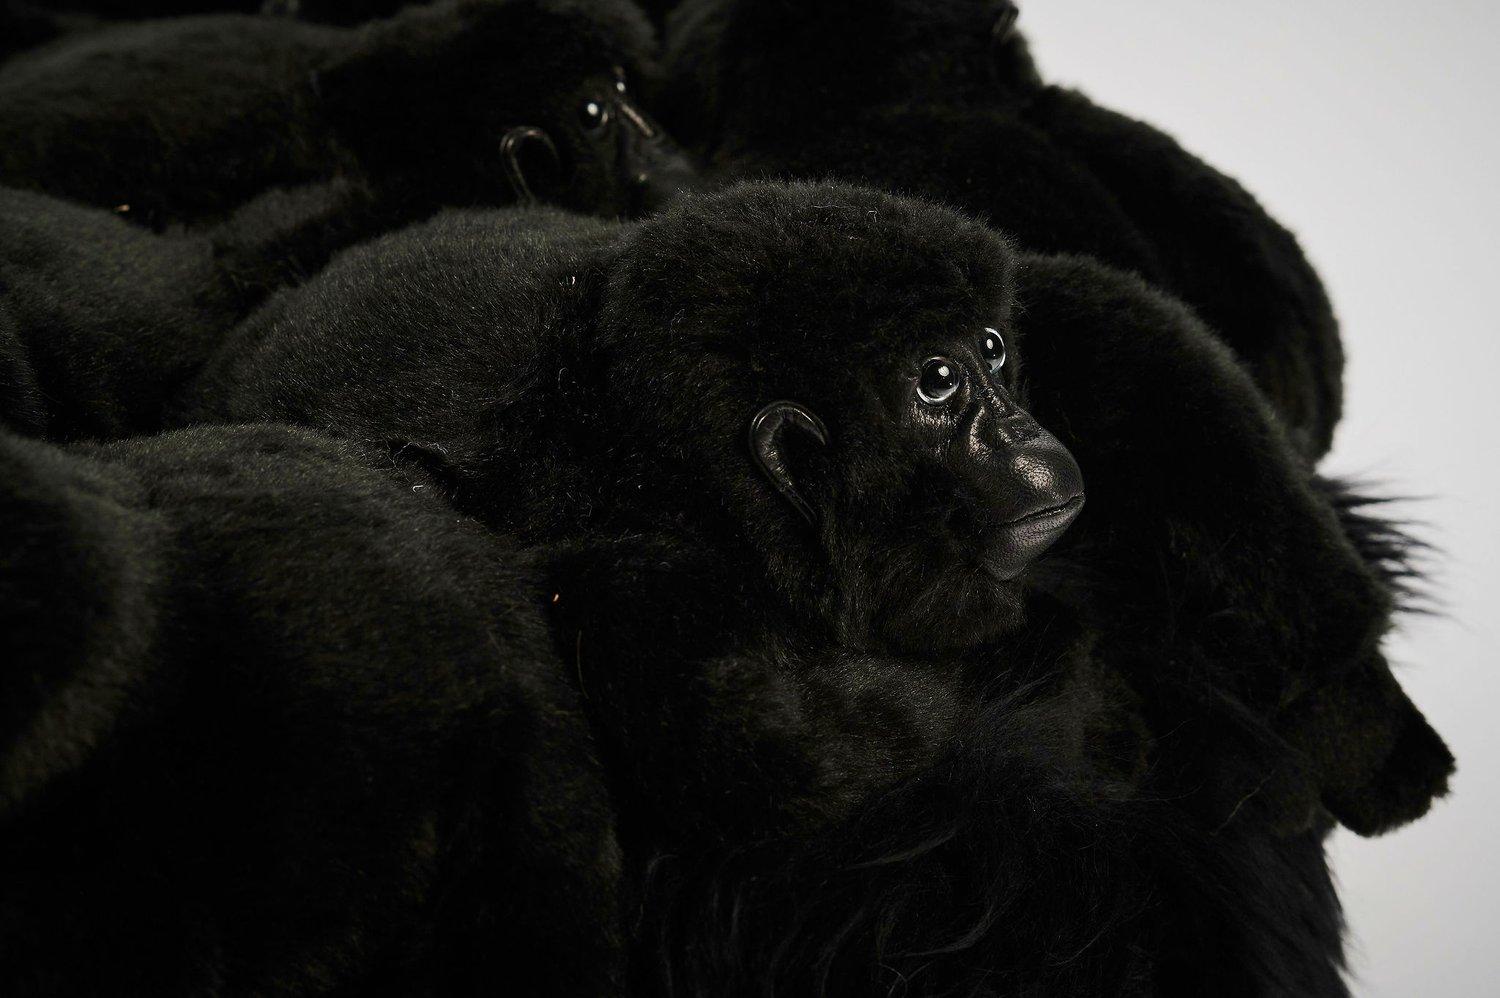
{"type": "Point", "coordinates": [970, 607]}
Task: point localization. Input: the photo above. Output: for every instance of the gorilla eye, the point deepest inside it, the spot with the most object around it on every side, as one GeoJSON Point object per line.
{"type": "Point", "coordinates": [992, 349]}
{"type": "Point", "coordinates": [593, 115]}
{"type": "Point", "coordinates": [620, 87]}
{"type": "Point", "coordinates": [940, 379]}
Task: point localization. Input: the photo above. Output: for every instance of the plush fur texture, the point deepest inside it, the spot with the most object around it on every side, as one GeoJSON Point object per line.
{"type": "Point", "coordinates": [1208, 608]}
{"type": "Point", "coordinates": [1247, 641]}
{"type": "Point", "coordinates": [101, 321]}
{"type": "Point", "coordinates": [457, 640]}
{"type": "Point", "coordinates": [185, 120]}
{"type": "Point", "coordinates": [917, 96]}
{"type": "Point", "coordinates": [316, 737]}
{"type": "Point", "coordinates": [275, 722]}
{"type": "Point", "coordinates": [336, 11]}
{"type": "Point", "coordinates": [139, 10]}
{"type": "Point", "coordinates": [24, 26]}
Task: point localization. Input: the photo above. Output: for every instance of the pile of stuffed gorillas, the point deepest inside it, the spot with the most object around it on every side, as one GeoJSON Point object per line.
{"type": "Point", "coordinates": [456, 539]}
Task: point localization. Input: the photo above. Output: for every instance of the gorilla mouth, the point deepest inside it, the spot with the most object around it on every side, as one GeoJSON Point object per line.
{"type": "Point", "coordinates": [1068, 510]}
{"type": "Point", "coordinates": [1021, 541]}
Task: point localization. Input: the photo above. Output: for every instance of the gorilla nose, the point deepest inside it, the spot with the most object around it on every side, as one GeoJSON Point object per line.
{"type": "Point", "coordinates": [661, 178]}
{"type": "Point", "coordinates": [1043, 490]}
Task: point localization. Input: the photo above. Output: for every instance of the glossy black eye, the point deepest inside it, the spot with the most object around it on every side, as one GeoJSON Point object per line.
{"type": "Point", "coordinates": [992, 349]}
{"type": "Point", "coordinates": [620, 87]}
{"type": "Point", "coordinates": [940, 379]}
{"type": "Point", "coordinates": [593, 115]}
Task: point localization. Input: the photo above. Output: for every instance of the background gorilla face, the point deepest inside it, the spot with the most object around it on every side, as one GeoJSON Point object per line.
{"type": "Point", "coordinates": [616, 154]}
{"type": "Point", "coordinates": [574, 82]}
{"type": "Point", "coordinates": [534, 97]}
{"type": "Point", "coordinates": [891, 474]}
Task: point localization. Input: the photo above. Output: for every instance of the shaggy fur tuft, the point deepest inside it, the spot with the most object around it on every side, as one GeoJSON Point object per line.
{"type": "Point", "coordinates": [1386, 543]}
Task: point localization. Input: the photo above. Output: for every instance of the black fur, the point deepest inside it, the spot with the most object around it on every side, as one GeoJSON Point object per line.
{"type": "Point", "coordinates": [25, 26]}
{"type": "Point", "coordinates": [507, 667]}
{"type": "Point", "coordinates": [185, 120]}
{"type": "Point", "coordinates": [336, 11]}
{"type": "Point", "coordinates": [137, 10]}
{"type": "Point", "coordinates": [595, 380]}
{"type": "Point", "coordinates": [918, 96]}
{"type": "Point", "coordinates": [101, 322]}
{"type": "Point", "coordinates": [315, 737]}
{"type": "Point", "coordinates": [277, 723]}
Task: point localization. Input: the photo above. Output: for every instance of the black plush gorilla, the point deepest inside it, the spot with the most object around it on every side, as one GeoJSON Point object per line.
{"type": "Point", "coordinates": [462, 102]}
{"type": "Point", "coordinates": [313, 736]}
{"type": "Point", "coordinates": [942, 98]}
{"type": "Point", "coordinates": [101, 321]}
{"type": "Point", "coordinates": [589, 387]}
{"type": "Point", "coordinates": [318, 732]}
{"type": "Point", "coordinates": [274, 722]}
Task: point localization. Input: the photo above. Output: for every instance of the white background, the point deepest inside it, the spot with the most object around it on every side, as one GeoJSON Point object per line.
{"type": "Point", "coordinates": [1369, 127]}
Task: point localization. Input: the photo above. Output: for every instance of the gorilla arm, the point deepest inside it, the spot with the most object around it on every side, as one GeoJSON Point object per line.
{"type": "Point", "coordinates": [1218, 576]}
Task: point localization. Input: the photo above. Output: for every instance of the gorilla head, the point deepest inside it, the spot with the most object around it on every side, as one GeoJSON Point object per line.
{"type": "Point", "coordinates": [866, 342]}
{"type": "Point", "coordinates": [533, 94]}
{"type": "Point", "coordinates": [742, 65]}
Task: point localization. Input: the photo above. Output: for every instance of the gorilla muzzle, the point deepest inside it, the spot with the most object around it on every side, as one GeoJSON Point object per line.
{"type": "Point", "coordinates": [1040, 491]}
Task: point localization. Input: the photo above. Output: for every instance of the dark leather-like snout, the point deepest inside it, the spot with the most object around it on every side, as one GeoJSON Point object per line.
{"type": "Point", "coordinates": [1037, 491]}
{"type": "Point", "coordinates": [659, 168]}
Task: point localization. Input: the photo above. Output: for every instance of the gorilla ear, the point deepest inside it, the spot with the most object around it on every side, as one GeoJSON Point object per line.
{"type": "Point", "coordinates": [527, 151]}
{"type": "Point", "coordinates": [765, 447]}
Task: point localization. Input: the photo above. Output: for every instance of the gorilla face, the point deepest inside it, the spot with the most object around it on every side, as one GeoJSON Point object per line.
{"type": "Point", "coordinates": [1018, 487]}
{"type": "Point", "coordinates": [892, 474]}
{"type": "Point", "coordinates": [972, 491]}
{"type": "Point", "coordinates": [530, 99]}
{"type": "Point", "coordinates": [598, 149]}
